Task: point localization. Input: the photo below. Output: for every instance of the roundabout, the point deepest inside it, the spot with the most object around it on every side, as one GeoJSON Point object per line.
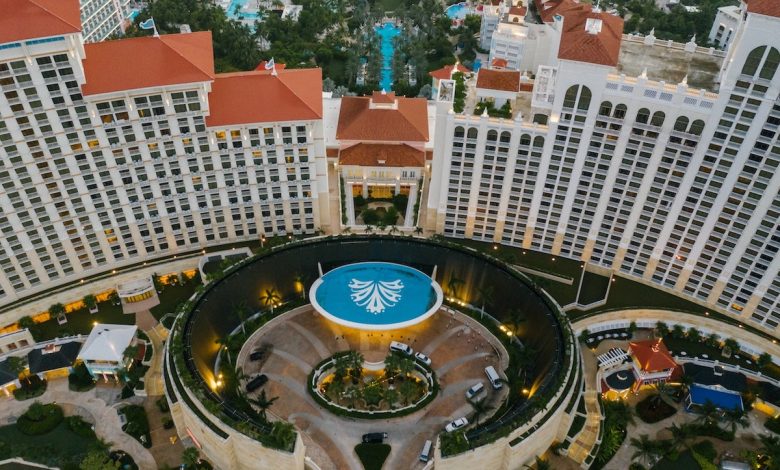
{"type": "Point", "coordinates": [358, 296]}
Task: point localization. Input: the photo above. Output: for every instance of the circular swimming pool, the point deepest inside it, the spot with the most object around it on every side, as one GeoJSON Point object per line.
{"type": "Point", "coordinates": [376, 296]}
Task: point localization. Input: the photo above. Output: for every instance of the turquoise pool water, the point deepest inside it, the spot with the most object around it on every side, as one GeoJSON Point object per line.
{"type": "Point", "coordinates": [387, 32]}
{"type": "Point", "coordinates": [376, 296]}
{"type": "Point", "coordinates": [243, 15]}
{"type": "Point", "coordinates": [457, 11]}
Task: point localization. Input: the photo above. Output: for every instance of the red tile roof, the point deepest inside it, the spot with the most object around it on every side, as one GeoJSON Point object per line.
{"type": "Point", "coordinates": [518, 11]}
{"type": "Point", "coordinates": [502, 80]}
{"type": "Point", "coordinates": [499, 63]}
{"type": "Point", "coordinates": [263, 63]}
{"type": "Point", "coordinates": [576, 42]}
{"type": "Point", "coordinates": [445, 73]}
{"type": "Point", "coordinates": [651, 355]}
{"type": "Point", "coordinates": [383, 97]}
{"type": "Point", "coordinates": [764, 7]}
{"type": "Point", "coordinates": [29, 19]}
{"type": "Point", "coordinates": [407, 122]}
{"type": "Point", "coordinates": [259, 96]}
{"type": "Point", "coordinates": [129, 64]}
{"type": "Point", "coordinates": [390, 155]}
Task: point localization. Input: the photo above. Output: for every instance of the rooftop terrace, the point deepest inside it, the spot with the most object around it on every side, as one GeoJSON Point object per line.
{"type": "Point", "coordinates": [669, 62]}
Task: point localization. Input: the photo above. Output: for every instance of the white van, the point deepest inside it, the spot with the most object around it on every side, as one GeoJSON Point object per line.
{"type": "Point", "coordinates": [426, 451]}
{"type": "Point", "coordinates": [402, 348]}
{"type": "Point", "coordinates": [492, 375]}
{"type": "Point", "coordinates": [475, 389]}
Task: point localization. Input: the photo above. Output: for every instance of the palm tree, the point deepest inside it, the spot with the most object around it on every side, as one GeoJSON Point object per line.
{"type": "Point", "coordinates": [480, 408]}
{"type": "Point", "coordinates": [393, 229]}
{"type": "Point", "coordinates": [764, 360]}
{"type": "Point", "coordinates": [736, 417]}
{"type": "Point", "coordinates": [284, 434]}
{"type": "Point", "coordinates": [682, 434]}
{"type": "Point", "coordinates": [405, 366]}
{"type": "Point", "coordinates": [346, 231]}
{"type": "Point", "coordinates": [646, 450]}
{"type": "Point", "coordinates": [26, 322]}
{"type": "Point", "coordinates": [686, 381]}
{"type": "Point", "coordinates": [770, 448]}
{"type": "Point", "coordinates": [620, 412]}
{"type": "Point", "coordinates": [223, 346]}
{"type": "Point", "coordinates": [90, 301]}
{"type": "Point", "coordinates": [270, 297]}
{"type": "Point", "coordinates": [485, 293]}
{"type": "Point", "coordinates": [355, 361]}
{"type": "Point", "coordinates": [406, 389]}
{"type": "Point", "coordinates": [732, 344]}
{"type": "Point", "coordinates": [56, 310]}
{"type": "Point", "coordinates": [302, 278]}
{"type": "Point", "coordinates": [369, 229]}
{"type": "Point", "coordinates": [454, 285]}
{"type": "Point", "coordinates": [16, 366]}
{"type": "Point", "coordinates": [190, 457]}
{"type": "Point", "coordinates": [678, 332]}
{"type": "Point", "coordinates": [663, 392]}
{"type": "Point", "coordinates": [418, 230]}
{"type": "Point", "coordinates": [242, 312]}
{"type": "Point", "coordinates": [336, 388]}
{"type": "Point", "coordinates": [662, 329]}
{"type": "Point", "coordinates": [263, 403]}
{"type": "Point", "coordinates": [713, 340]}
{"type": "Point", "coordinates": [392, 365]}
{"type": "Point", "coordinates": [340, 367]}
{"type": "Point", "coordinates": [516, 318]}
{"type": "Point", "coordinates": [708, 413]}
{"type": "Point", "coordinates": [391, 396]}
{"type": "Point", "coordinates": [694, 335]}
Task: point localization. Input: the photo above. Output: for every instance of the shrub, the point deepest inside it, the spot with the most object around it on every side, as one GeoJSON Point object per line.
{"type": "Point", "coordinates": [80, 427]}
{"type": "Point", "coordinates": [370, 217]}
{"type": "Point", "coordinates": [653, 409]}
{"type": "Point", "coordinates": [40, 419]}
{"type": "Point", "coordinates": [706, 449]}
{"type": "Point", "coordinates": [32, 386]}
{"type": "Point", "coordinates": [80, 380]}
{"type": "Point", "coordinates": [162, 404]}
{"type": "Point", "coordinates": [167, 422]}
{"type": "Point", "coordinates": [137, 424]}
{"type": "Point", "coordinates": [773, 424]}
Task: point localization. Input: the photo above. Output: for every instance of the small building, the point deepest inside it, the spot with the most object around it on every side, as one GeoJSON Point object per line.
{"type": "Point", "coordinates": [53, 360]}
{"type": "Point", "coordinates": [497, 86]}
{"type": "Point", "coordinates": [8, 380]}
{"type": "Point", "coordinates": [652, 362]}
{"type": "Point", "coordinates": [722, 398]}
{"type": "Point", "coordinates": [104, 351]}
{"type": "Point", "coordinates": [726, 22]}
{"type": "Point", "coordinates": [138, 295]}
{"type": "Point", "coordinates": [446, 73]}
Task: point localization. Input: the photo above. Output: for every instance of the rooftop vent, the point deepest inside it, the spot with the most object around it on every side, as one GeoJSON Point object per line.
{"type": "Point", "coordinates": [593, 26]}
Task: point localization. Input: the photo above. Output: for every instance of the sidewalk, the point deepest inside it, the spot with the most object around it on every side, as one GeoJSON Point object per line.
{"type": "Point", "coordinates": [107, 425]}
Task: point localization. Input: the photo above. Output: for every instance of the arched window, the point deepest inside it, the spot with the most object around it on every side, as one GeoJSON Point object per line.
{"type": "Point", "coordinates": [506, 137]}
{"type": "Point", "coordinates": [605, 109]}
{"type": "Point", "coordinates": [492, 135]}
{"type": "Point", "coordinates": [473, 132]}
{"type": "Point", "coordinates": [753, 60]}
{"type": "Point", "coordinates": [697, 127]}
{"type": "Point", "coordinates": [770, 64]}
{"type": "Point", "coordinates": [539, 142]}
{"type": "Point", "coordinates": [525, 139]}
{"type": "Point", "coordinates": [658, 119]}
{"type": "Point", "coordinates": [620, 111]}
{"type": "Point", "coordinates": [571, 97]}
{"type": "Point", "coordinates": [643, 116]}
{"type": "Point", "coordinates": [460, 131]}
{"type": "Point", "coordinates": [584, 102]}
{"type": "Point", "coordinates": [681, 124]}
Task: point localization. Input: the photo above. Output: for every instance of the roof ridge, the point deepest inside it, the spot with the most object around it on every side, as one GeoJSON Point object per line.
{"type": "Point", "coordinates": [296, 94]}
{"type": "Point", "coordinates": [401, 111]}
{"type": "Point", "coordinates": [210, 74]}
{"type": "Point", "coordinates": [77, 26]}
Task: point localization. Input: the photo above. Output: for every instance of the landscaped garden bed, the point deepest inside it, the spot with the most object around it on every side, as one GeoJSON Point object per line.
{"type": "Point", "coordinates": [80, 380]}
{"type": "Point", "coordinates": [653, 409]}
{"type": "Point", "coordinates": [137, 424]}
{"type": "Point", "coordinates": [31, 387]}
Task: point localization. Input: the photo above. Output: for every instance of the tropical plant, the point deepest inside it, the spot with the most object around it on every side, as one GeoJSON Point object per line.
{"type": "Point", "coordinates": [340, 367]}
{"type": "Point", "coordinates": [708, 413]}
{"type": "Point", "coordinates": [736, 417]}
{"type": "Point", "coordinates": [663, 392]}
{"type": "Point", "coordinates": [682, 434]}
{"type": "Point", "coordinates": [480, 408]}
{"type": "Point", "coordinates": [731, 344]}
{"type": "Point", "coordinates": [355, 362]}
{"type": "Point", "coordinates": [369, 229]}
{"type": "Point", "coordinates": [486, 293]}
{"type": "Point", "coordinates": [516, 319]}
{"type": "Point", "coordinates": [454, 285]}
{"type": "Point", "coordinates": [15, 365]}
{"type": "Point", "coordinates": [407, 390]}
{"type": "Point", "coordinates": [90, 301]}
{"type": "Point", "coordinates": [694, 335]}
{"type": "Point", "coordinates": [130, 352]}
{"type": "Point", "coordinates": [393, 229]}
{"type": "Point", "coordinates": [392, 365]}
{"type": "Point", "coordinates": [263, 403]}
{"type": "Point", "coordinates": [661, 329]}
{"type": "Point", "coordinates": [56, 310]}
{"type": "Point", "coordinates": [764, 360]}
{"type": "Point", "coordinates": [190, 457]}
{"type": "Point", "coordinates": [242, 313]}
{"type": "Point", "coordinates": [283, 434]}
{"type": "Point", "coordinates": [454, 442]}
{"type": "Point", "coordinates": [646, 450]}
{"type": "Point", "coordinates": [713, 340]}
{"type": "Point", "coordinates": [270, 297]}
{"type": "Point", "coordinates": [632, 327]}
{"type": "Point", "coordinates": [98, 460]}
{"type": "Point", "coordinates": [584, 335]}
{"type": "Point", "coordinates": [678, 332]}
{"type": "Point", "coordinates": [418, 230]}
{"type": "Point", "coordinates": [26, 322]}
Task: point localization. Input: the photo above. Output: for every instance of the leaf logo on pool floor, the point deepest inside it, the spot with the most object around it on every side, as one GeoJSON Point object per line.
{"type": "Point", "coordinates": [376, 296]}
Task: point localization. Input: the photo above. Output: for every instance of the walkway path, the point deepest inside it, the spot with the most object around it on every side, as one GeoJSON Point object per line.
{"type": "Point", "coordinates": [153, 378]}
{"type": "Point", "coordinates": [582, 446]}
{"type": "Point", "coordinates": [105, 417]}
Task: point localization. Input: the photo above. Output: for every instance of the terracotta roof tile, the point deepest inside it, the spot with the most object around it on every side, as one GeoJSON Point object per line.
{"type": "Point", "coordinates": [129, 64]}
{"type": "Point", "coordinates": [445, 73]}
{"type": "Point", "coordinates": [499, 63]}
{"type": "Point", "coordinates": [29, 19]}
{"type": "Point", "coordinates": [390, 155]}
{"type": "Point", "coordinates": [383, 97]}
{"type": "Point", "coordinates": [764, 7]}
{"type": "Point", "coordinates": [502, 80]}
{"type": "Point", "coordinates": [518, 11]}
{"type": "Point", "coordinates": [261, 66]}
{"type": "Point", "coordinates": [259, 96]}
{"type": "Point", "coordinates": [406, 123]}
{"type": "Point", "coordinates": [652, 355]}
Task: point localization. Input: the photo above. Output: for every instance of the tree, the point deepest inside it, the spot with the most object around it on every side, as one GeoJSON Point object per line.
{"type": "Point", "coordinates": [764, 360]}
{"type": "Point", "coordinates": [328, 85]}
{"type": "Point", "coordinates": [480, 408]}
{"type": "Point", "coordinates": [369, 229]}
{"type": "Point", "coordinates": [16, 365]}
{"type": "Point", "coordinates": [736, 417]}
{"type": "Point", "coordinates": [732, 345]}
{"type": "Point", "coordinates": [708, 413]}
{"type": "Point", "coordinates": [90, 301]}
{"type": "Point", "coordinates": [263, 403]}
{"type": "Point", "coordinates": [190, 457]}
{"type": "Point", "coordinates": [426, 92]}
{"type": "Point", "coordinates": [678, 332]}
{"type": "Point", "coordinates": [26, 322]}
{"type": "Point", "coordinates": [516, 319]}
{"type": "Point", "coordinates": [56, 310]}
{"type": "Point", "coordinates": [270, 297]}
{"type": "Point", "coordinates": [406, 390]}
{"type": "Point", "coordinates": [485, 295]}
{"type": "Point", "coordinates": [340, 367]}
{"type": "Point", "coordinates": [283, 433]}
{"type": "Point", "coordinates": [663, 392]}
{"type": "Point", "coordinates": [453, 442]}
{"type": "Point", "coordinates": [392, 365]}
{"type": "Point", "coordinates": [584, 335]}
{"type": "Point", "coordinates": [661, 329]}
{"type": "Point", "coordinates": [454, 285]}
{"type": "Point", "coordinates": [713, 340]}
{"type": "Point", "coordinates": [130, 352]}
{"type": "Point", "coordinates": [98, 460]}
{"type": "Point", "coordinates": [682, 434]}
{"type": "Point", "coordinates": [694, 335]}
{"type": "Point", "coordinates": [302, 279]}
{"type": "Point", "coordinates": [355, 362]}
{"type": "Point", "coordinates": [418, 230]}
{"type": "Point", "coordinates": [646, 449]}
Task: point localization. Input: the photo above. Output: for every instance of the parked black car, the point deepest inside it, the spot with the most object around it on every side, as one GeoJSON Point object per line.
{"type": "Point", "coordinates": [374, 437]}
{"type": "Point", "coordinates": [256, 383]}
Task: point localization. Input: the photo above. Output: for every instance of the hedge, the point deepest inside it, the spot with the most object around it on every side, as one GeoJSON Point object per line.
{"type": "Point", "coordinates": [40, 419]}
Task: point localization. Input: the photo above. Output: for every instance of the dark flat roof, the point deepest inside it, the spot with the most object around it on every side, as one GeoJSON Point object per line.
{"type": "Point", "coordinates": [704, 375]}
{"type": "Point", "coordinates": [65, 357]}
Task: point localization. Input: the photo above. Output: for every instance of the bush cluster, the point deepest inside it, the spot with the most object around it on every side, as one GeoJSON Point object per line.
{"type": "Point", "coordinates": [40, 419]}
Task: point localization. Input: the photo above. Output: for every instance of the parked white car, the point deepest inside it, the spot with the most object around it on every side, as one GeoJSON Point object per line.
{"type": "Point", "coordinates": [423, 358]}
{"type": "Point", "coordinates": [457, 424]}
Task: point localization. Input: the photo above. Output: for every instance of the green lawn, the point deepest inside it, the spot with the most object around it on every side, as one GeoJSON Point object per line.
{"type": "Point", "coordinates": [372, 456]}
{"type": "Point", "coordinates": [594, 288]}
{"type": "Point", "coordinates": [61, 447]}
{"type": "Point", "coordinates": [81, 322]}
{"type": "Point", "coordinates": [171, 296]}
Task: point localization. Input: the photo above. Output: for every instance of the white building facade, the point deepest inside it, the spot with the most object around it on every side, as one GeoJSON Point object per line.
{"type": "Point", "coordinates": [100, 19]}
{"type": "Point", "coordinates": [725, 26]}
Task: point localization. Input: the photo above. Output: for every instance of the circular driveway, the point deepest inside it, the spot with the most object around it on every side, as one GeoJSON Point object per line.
{"type": "Point", "coordinates": [459, 347]}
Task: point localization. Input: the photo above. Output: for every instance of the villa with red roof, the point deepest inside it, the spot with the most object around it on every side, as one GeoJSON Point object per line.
{"type": "Point", "coordinates": [652, 362]}
{"type": "Point", "coordinates": [381, 151]}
